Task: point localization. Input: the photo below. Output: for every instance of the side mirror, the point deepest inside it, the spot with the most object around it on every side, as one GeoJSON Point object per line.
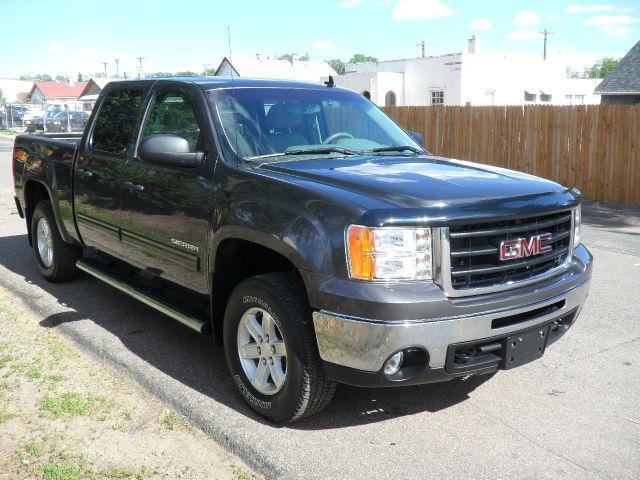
{"type": "Point", "coordinates": [169, 150]}
{"type": "Point", "coordinates": [417, 138]}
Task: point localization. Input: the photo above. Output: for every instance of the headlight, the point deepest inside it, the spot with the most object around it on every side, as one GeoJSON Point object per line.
{"type": "Point", "coordinates": [577, 225]}
{"type": "Point", "coordinates": [389, 253]}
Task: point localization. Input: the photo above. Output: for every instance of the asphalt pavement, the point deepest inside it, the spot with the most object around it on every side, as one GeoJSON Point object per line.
{"type": "Point", "coordinates": [575, 414]}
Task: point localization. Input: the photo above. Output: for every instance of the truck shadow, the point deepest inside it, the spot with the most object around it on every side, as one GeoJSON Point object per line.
{"type": "Point", "coordinates": [189, 358]}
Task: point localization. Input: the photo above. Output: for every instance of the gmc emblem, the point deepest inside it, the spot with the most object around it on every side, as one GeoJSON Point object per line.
{"type": "Point", "coordinates": [521, 247]}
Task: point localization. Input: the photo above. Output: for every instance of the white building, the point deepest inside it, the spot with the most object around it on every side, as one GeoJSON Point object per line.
{"type": "Point", "coordinates": [309, 70]}
{"type": "Point", "coordinates": [472, 78]}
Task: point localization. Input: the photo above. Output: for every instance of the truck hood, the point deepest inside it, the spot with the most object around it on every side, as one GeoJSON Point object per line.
{"type": "Point", "coordinates": [417, 181]}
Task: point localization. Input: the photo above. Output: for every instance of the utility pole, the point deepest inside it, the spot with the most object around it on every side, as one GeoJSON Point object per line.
{"type": "Point", "coordinates": [545, 33]}
{"type": "Point", "coordinates": [140, 67]}
{"type": "Point", "coordinates": [423, 45]}
{"type": "Point", "coordinates": [206, 69]}
{"type": "Point", "coordinates": [105, 69]}
{"type": "Point", "coordinates": [117, 60]}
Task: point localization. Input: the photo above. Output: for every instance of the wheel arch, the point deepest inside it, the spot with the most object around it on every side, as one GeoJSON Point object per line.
{"type": "Point", "coordinates": [235, 260]}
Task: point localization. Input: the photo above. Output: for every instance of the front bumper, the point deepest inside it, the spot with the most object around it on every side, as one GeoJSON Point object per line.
{"type": "Point", "coordinates": [355, 349]}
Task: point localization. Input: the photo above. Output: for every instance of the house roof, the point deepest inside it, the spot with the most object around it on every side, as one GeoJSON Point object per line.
{"type": "Point", "coordinates": [625, 78]}
{"type": "Point", "coordinates": [93, 88]}
{"type": "Point", "coordinates": [310, 70]}
{"type": "Point", "coordinates": [58, 89]}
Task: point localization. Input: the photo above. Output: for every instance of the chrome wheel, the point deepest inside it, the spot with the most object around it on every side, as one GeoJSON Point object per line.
{"type": "Point", "coordinates": [44, 242]}
{"type": "Point", "coordinates": [262, 351]}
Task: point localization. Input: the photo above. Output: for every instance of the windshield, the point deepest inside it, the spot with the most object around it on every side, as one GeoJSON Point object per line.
{"type": "Point", "coordinates": [269, 122]}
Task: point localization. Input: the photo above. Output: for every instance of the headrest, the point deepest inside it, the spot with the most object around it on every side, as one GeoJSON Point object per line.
{"type": "Point", "coordinates": [283, 115]}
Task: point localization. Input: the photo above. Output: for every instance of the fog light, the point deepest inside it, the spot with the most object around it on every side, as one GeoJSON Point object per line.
{"type": "Point", "coordinates": [392, 366]}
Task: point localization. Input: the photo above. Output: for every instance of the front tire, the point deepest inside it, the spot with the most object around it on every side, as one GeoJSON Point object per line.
{"type": "Point", "coordinates": [271, 349]}
{"type": "Point", "coordinates": [55, 259]}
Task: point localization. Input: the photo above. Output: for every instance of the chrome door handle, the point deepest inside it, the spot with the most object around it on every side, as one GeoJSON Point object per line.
{"type": "Point", "coordinates": [82, 173]}
{"type": "Point", "coordinates": [133, 187]}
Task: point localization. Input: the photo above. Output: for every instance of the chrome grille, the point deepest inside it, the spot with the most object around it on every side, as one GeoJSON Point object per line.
{"type": "Point", "coordinates": [473, 252]}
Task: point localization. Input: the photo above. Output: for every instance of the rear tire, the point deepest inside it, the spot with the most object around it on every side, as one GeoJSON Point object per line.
{"type": "Point", "coordinates": [55, 259]}
{"type": "Point", "coordinates": [271, 349]}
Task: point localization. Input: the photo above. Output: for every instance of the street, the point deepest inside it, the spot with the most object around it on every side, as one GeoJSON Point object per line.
{"type": "Point", "coordinates": [575, 414]}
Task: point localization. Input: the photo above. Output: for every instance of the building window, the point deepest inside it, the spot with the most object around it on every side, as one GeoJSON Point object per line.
{"type": "Point", "coordinates": [579, 99]}
{"type": "Point", "coordinates": [545, 97]}
{"type": "Point", "coordinates": [568, 99]}
{"type": "Point", "coordinates": [529, 97]}
{"type": "Point", "coordinates": [491, 96]}
{"type": "Point", "coordinates": [437, 97]}
{"type": "Point", "coordinates": [390, 99]}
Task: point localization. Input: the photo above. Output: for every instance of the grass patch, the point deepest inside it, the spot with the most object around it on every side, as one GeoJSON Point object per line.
{"type": "Point", "coordinates": [34, 372]}
{"type": "Point", "coordinates": [5, 417]}
{"type": "Point", "coordinates": [72, 404]}
{"type": "Point", "coordinates": [59, 351]}
{"type": "Point", "coordinates": [4, 360]}
{"type": "Point", "coordinates": [62, 471]}
{"type": "Point", "coordinates": [32, 450]}
{"type": "Point", "coordinates": [171, 420]}
{"type": "Point", "coordinates": [241, 473]}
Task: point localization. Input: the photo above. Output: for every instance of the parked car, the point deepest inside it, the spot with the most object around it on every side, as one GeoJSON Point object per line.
{"type": "Point", "coordinates": [16, 112]}
{"type": "Point", "coordinates": [34, 121]}
{"type": "Point", "coordinates": [317, 241]}
{"type": "Point", "coordinates": [67, 121]}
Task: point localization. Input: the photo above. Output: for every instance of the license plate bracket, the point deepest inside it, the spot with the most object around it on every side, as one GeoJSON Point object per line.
{"type": "Point", "coordinates": [525, 347]}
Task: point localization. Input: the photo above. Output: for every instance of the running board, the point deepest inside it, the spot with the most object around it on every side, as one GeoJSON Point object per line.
{"type": "Point", "coordinates": [187, 319]}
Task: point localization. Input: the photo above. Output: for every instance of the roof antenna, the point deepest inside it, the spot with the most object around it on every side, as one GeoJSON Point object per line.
{"type": "Point", "coordinates": [330, 83]}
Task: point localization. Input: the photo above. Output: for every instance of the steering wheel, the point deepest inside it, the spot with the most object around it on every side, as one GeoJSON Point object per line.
{"type": "Point", "coordinates": [336, 136]}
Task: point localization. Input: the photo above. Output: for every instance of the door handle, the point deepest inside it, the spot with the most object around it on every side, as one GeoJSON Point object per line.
{"type": "Point", "coordinates": [133, 187]}
{"type": "Point", "coordinates": [82, 173]}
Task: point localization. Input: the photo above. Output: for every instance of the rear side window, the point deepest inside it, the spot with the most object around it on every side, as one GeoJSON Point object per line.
{"type": "Point", "coordinates": [116, 119]}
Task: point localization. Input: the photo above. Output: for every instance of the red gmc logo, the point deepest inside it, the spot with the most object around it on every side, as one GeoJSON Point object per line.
{"type": "Point", "coordinates": [521, 247]}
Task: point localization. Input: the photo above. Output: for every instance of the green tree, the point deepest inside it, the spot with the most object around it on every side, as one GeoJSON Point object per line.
{"type": "Point", "coordinates": [187, 73]}
{"type": "Point", "coordinates": [61, 78]}
{"type": "Point", "coordinates": [44, 77]}
{"type": "Point", "coordinates": [338, 65]}
{"type": "Point", "coordinates": [360, 58]}
{"type": "Point", "coordinates": [602, 67]}
{"type": "Point", "coordinates": [571, 73]}
{"type": "Point", "coordinates": [1, 96]}
{"type": "Point", "coordinates": [289, 56]}
{"type": "Point", "coordinates": [160, 74]}
{"type": "Point", "coordinates": [80, 79]}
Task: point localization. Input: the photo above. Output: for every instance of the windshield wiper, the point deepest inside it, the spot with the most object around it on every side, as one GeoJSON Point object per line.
{"type": "Point", "coordinates": [307, 151]}
{"type": "Point", "coordinates": [400, 148]}
{"type": "Point", "coordinates": [304, 151]}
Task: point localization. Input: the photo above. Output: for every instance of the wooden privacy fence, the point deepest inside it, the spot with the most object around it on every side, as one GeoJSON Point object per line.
{"type": "Point", "coordinates": [593, 147]}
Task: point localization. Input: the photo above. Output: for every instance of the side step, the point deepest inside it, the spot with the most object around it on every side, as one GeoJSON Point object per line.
{"type": "Point", "coordinates": [122, 283]}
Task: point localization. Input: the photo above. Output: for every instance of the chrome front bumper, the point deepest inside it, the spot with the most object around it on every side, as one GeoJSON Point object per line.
{"type": "Point", "coordinates": [365, 345]}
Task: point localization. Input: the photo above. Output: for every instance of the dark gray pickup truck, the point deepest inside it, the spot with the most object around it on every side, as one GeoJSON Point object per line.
{"type": "Point", "coordinates": [314, 238]}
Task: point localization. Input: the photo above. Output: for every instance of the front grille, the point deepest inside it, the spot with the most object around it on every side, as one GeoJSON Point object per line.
{"type": "Point", "coordinates": [475, 250]}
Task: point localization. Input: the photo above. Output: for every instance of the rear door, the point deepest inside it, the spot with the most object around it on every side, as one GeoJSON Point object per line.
{"type": "Point", "coordinates": [98, 175]}
{"type": "Point", "coordinates": [165, 208]}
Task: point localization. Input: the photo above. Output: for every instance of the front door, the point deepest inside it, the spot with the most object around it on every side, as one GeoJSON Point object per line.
{"type": "Point", "coordinates": [166, 209]}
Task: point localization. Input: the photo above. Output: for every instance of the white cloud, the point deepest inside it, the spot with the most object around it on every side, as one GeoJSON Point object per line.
{"type": "Point", "coordinates": [526, 18]}
{"type": "Point", "coordinates": [524, 35]}
{"type": "Point", "coordinates": [590, 8]}
{"type": "Point", "coordinates": [616, 31]}
{"type": "Point", "coordinates": [481, 24]}
{"type": "Point", "coordinates": [616, 26]}
{"type": "Point", "coordinates": [420, 10]}
{"type": "Point", "coordinates": [350, 3]}
{"type": "Point", "coordinates": [611, 20]}
{"type": "Point", "coordinates": [552, 17]}
{"type": "Point", "coordinates": [323, 45]}
{"type": "Point", "coordinates": [382, 3]}
{"type": "Point", "coordinates": [54, 47]}
{"type": "Point", "coordinates": [86, 50]}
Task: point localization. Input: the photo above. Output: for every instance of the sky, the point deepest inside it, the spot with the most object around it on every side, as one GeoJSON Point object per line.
{"type": "Point", "coordinates": [65, 37]}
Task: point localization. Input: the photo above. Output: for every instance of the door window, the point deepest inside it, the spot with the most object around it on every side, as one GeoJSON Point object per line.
{"type": "Point", "coordinates": [116, 120]}
{"type": "Point", "coordinates": [173, 113]}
